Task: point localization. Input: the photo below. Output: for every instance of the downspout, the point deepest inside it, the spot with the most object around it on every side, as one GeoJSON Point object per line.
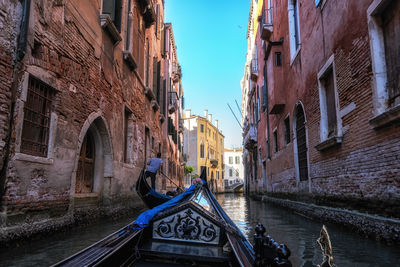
{"type": "Point", "coordinates": [21, 50]}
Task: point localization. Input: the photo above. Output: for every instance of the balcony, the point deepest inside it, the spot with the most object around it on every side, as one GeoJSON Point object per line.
{"type": "Point", "coordinates": [176, 72]}
{"type": "Point", "coordinates": [250, 138]}
{"type": "Point", "coordinates": [173, 101]}
{"type": "Point", "coordinates": [266, 24]}
{"type": "Point", "coordinates": [254, 69]}
{"type": "Point", "coordinates": [149, 14]}
{"type": "Point", "coordinates": [214, 163]}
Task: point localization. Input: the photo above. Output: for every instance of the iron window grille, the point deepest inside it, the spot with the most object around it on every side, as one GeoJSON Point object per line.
{"type": "Point", "coordinates": [37, 115]}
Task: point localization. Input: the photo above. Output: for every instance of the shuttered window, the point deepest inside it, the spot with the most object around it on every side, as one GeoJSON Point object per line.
{"type": "Point", "coordinates": [113, 8]}
{"type": "Point", "coordinates": [391, 31]}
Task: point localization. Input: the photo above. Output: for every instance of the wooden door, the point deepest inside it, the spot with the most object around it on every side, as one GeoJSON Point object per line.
{"type": "Point", "coordinates": [301, 143]}
{"type": "Point", "coordinates": [85, 173]}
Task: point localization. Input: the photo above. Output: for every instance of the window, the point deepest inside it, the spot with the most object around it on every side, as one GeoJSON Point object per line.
{"type": "Point", "coordinates": [287, 130]}
{"type": "Point", "coordinates": [294, 29]}
{"type": "Point", "coordinates": [129, 20]}
{"type": "Point", "coordinates": [230, 173]}
{"type": "Point", "coordinates": [113, 9]}
{"type": "Point", "coordinates": [384, 16]}
{"type": "Point", "coordinates": [275, 141]}
{"type": "Point", "coordinates": [201, 150]}
{"type": "Point", "coordinates": [237, 172]}
{"type": "Point", "coordinates": [278, 59]}
{"type": "Point", "coordinates": [37, 115]}
{"type": "Point", "coordinates": [202, 128]}
{"type": "Point", "coordinates": [127, 119]}
{"type": "Point", "coordinates": [328, 100]}
{"type": "Point", "coordinates": [230, 160]}
{"type": "Point", "coordinates": [237, 160]}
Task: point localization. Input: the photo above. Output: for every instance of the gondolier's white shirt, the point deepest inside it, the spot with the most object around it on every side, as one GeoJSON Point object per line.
{"type": "Point", "coordinates": [154, 165]}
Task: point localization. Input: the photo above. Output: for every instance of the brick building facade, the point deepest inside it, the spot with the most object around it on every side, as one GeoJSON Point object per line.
{"type": "Point", "coordinates": [322, 105]}
{"type": "Point", "coordinates": [91, 106]}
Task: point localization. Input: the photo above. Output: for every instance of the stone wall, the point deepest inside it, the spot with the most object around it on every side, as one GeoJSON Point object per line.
{"type": "Point", "coordinates": [10, 12]}
{"type": "Point", "coordinates": [365, 164]}
{"type": "Point", "coordinates": [93, 87]}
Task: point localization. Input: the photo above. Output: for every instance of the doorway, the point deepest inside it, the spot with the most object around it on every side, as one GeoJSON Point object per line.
{"type": "Point", "coordinates": [85, 172]}
{"type": "Point", "coordinates": [301, 140]}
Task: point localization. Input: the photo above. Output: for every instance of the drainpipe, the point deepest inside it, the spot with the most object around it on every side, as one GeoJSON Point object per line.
{"type": "Point", "coordinates": [21, 50]}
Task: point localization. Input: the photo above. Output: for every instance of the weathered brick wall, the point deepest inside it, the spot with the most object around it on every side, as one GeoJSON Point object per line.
{"type": "Point", "coordinates": [75, 56]}
{"type": "Point", "coordinates": [366, 164]}
{"type": "Point", "coordinates": [10, 13]}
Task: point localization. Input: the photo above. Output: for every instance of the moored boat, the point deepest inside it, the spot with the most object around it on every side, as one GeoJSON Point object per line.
{"type": "Point", "coordinates": [190, 229]}
{"type": "Point", "coordinates": [149, 196]}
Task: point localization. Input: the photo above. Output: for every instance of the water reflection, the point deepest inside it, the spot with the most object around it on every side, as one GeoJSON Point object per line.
{"type": "Point", "coordinates": [300, 235]}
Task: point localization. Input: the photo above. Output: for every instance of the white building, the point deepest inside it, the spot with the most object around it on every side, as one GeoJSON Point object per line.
{"type": "Point", "coordinates": [234, 170]}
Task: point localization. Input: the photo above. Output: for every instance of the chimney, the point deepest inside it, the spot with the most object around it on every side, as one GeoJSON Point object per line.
{"type": "Point", "coordinates": [206, 113]}
{"type": "Point", "coordinates": [188, 113]}
{"type": "Point", "coordinates": [216, 124]}
{"type": "Point", "coordinates": [210, 118]}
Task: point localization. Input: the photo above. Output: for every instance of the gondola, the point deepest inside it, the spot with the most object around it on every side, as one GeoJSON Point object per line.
{"type": "Point", "coordinates": [190, 229]}
{"type": "Point", "coordinates": [149, 196]}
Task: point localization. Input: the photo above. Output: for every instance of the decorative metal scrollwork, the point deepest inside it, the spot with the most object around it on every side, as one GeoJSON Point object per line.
{"type": "Point", "coordinates": [324, 242]}
{"type": "Point", "coordinates": [187, 225]}
{"type": "Point", "coordinates": [164, 229]}
{"type": "Point", "coordinates": [268, 251]}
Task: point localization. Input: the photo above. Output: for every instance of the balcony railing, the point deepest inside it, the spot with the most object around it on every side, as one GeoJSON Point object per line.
{"type": "Point", "coordinates": [254, 69]}
{"type": "Point", "coordinates": [173, 102]}
{"type": "Point", "coordinates": [266, 24]}
{"type": "Point", "coordinates": [176, 72]}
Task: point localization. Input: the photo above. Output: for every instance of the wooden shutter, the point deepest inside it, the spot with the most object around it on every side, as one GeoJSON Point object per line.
{"type": "Point", "coordinates": [391, 31]}
{"type": "Point", "coordinates": [109, 8]}
{"type": "Point", "coordinates": [155, 76]}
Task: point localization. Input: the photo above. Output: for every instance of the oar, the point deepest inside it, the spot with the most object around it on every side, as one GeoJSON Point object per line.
{"type": "Point", "coordinates": [172, 181]}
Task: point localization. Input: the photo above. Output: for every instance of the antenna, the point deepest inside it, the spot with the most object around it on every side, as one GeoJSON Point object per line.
{"type": "Point", "coordinates": [234, 116]}
{"type": "Point", "coordinates": [241, 115]}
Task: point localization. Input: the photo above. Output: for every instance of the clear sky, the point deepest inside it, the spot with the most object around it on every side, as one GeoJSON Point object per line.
{"type": "Point", "coordinates": [210, 36]}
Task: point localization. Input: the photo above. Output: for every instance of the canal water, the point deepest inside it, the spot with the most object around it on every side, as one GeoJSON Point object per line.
{"type": "Point", "coordinates": [298, 233]}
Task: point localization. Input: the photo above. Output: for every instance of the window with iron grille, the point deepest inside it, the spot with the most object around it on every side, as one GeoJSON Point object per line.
{"type": "Point", "coordinates": [37, 113]}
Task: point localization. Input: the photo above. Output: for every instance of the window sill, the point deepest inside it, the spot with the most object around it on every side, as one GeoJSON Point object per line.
{"type": "Point", "coordinates": [296, 54]}
{"type": "Point", "coordinates": [108, 25]}
{"type": "Point", "coordinates": [384, 119]}
{"type": "Point", "coordinates": [149, 93]}
{"type": "Point", "coordinates": [330, 142]}
{"type": "Point", "coordinates": [130, 60]}
{"type": "Point", "coordinates": [155, 105]}
{"type": "Point", "coordinates": [161, 117]}
{"type": "Point", "coordinates": [33, 159]}
{"type": "Point", "coordinates": [128, 165]}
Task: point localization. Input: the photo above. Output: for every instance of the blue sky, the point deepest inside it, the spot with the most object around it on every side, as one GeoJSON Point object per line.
{"type": "Point", "coordinates": [210, 36]}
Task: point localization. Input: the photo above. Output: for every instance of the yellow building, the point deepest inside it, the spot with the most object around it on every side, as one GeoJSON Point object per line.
{"type": "Point", "coordinates": [204, 148]}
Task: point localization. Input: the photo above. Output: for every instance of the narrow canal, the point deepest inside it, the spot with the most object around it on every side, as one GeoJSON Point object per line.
{"type": "Point", "coordinates": [299, 233]}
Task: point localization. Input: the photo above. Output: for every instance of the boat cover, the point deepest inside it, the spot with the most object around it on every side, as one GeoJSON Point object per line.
{"type": "Point", "coordinates": [158, 195]}
{"type": "Point", "coordinates": [145, 218]}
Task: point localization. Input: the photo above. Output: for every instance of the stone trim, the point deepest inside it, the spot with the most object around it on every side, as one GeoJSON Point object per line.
{"type": "Point", "coordinates": [108, 25]}
{"type": "Point", "coordinates": [330, 142]}
{"type": "Point", "coordinates": [379, 227]}
{"type": "Point", "coordinates": [385, 118]}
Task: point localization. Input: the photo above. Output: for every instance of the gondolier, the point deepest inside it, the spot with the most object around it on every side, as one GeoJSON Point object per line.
{"type": "Point", "coordinates": [153, 165]}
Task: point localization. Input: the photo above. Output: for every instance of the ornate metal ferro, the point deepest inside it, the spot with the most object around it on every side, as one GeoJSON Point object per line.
{"type": "Point", "coordinates": [268, 251]}
{"type": "Point", "coordinates": [324, 242]}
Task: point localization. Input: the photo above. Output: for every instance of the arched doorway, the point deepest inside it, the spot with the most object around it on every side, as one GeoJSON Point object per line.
{"type": "Point", "coordinates": [93, 159]}
{"type": "Point", "coordinates": [85, 171]}
{"type": "Point", "coordinates": [301, 144]}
